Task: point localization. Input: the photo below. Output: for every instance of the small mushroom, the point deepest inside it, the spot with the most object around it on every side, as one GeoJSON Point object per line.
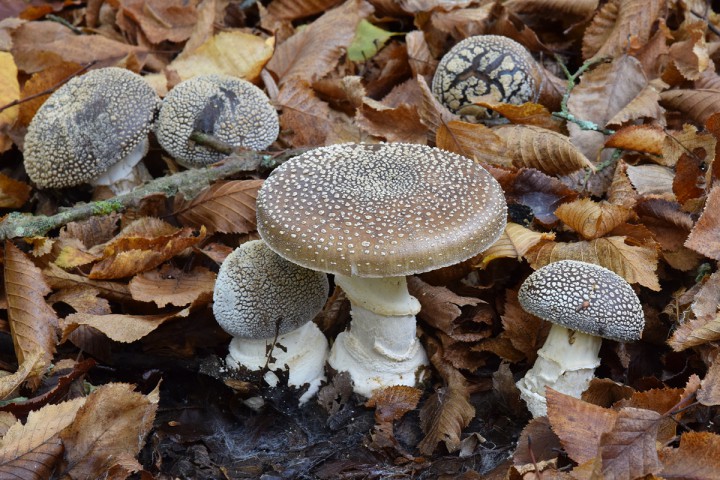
{"type": "Point", "coordinates": [231, 109]}
{"type": "Point", "coordinates": [372, 214]}
{"type": "Point", "coordinates": [94, 129]}
{"type": "Point", "coordinates": [585, 303]}
{"type": "Point", "coordinates": [260, 296]}
{"type": "Point", "coordinates": [485, 65]}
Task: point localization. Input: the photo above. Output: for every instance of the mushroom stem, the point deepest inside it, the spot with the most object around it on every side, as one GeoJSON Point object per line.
{"type": "Point", "coordinates": [301, 351]}
{"type": "Point", "coordinates": [566, 363]}
{"type": "Point", "coordinates": [381, 347]}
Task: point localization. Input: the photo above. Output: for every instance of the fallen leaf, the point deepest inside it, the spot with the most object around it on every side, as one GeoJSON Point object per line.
{"type": "Point", "coordinates": [530, 114]}
{"type": "Point", "coordinates": [160, 20]}
{"type": "Point", "coordinates": [514, 242]}
{"type": "Point", "coordinates": [641, 138]}
{"type": "Point", "coordinates": [652, 180]}
{"type": "Point", "coordinates": [13, 194]}
{"type": "Point", "coordinates": [294, 9]}
{"type": "Point", "coordinates": [644, 105]}
{"type": "Point", "coordinates": [698, 456]}
{"type": "Point", "coordinates": [33, 324]}
{"type": "Point", "coordinates": [677, 144]}
{"type": "Point", "coordinates": [690, 55]}
{"type": "Point", "coordinates": [172, 285]}
{"type": "Point", "coordinates": [121, 328]}
{"type": "Point", "coordinates": [628, 450]}
{"type": "Point", "coordinates": [109, 430]}
{"type": "Point", "coordinates": [58, 278]}
{"type": "Point", "coordinates": [592, 219]}
{"type": "Point", "coordinates": [368, 40]}
{"type": "Point", "coordinates": [233, 53]}
{"type": "Point", "coordinates": [9, 92]}
{"type": "Point", "coordinates": [422, 62]}
{"type": "Point", "coordinates": [705, 236]}
{"type": "Point", "coordinates": [534, 147]}
{"type": "Point", "coordinates": [391, 404]}
{"type": "Point", "coordinates": [537, 442]}
{"type": "Point", "coordinates": [227, 207]}
{"type": "Point", "coordinates": [709, 393]}
{"type": "Point", "coordinates": [31, 366]}
{"type": "Point", "coordinates": [526, 332]}
{"type": "Point", "coordinates": [698, 104]}
{"type": "Point", "coordinates": [475, 141]}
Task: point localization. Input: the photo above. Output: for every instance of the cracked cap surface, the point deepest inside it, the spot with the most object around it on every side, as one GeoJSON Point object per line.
{"type": "Point", "coordinates": [586, 297]}
{"type": "Point", "coordinates": [88, 125]}
{"type": "Point", "coordinates": [380, 210]}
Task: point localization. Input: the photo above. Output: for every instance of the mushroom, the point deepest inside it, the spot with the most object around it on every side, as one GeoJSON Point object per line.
{"type": "Point", "coordinates": [485, 65]}
{"type": "Point", "coordinates": [92, 129]}
{"type": "Point", "coordinates": [585, 303]}
{"type": "Point", "coordinates": [372, 214]}
{"type": "Point", "coordinates": [231, 109]}
{"type": "Point", "coordinates": [261, 298]}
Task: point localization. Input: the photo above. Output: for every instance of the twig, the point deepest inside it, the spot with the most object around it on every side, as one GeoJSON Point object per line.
{"type": "Point", "coordinates": [564, 113]}
{"type": "Point", "coordinates": [48, 90]}
{"type": "Point", "coordinates": [16, 224]}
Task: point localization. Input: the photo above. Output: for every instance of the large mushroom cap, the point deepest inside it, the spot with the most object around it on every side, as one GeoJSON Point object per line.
{"type": "Point", "coordinates": [231, 109]}
{"type": "Point", "coordinates": [586, 297]}
{"type": "Point", "coordinates": [86, 126]}
{"type": "Point", "coordinates": [380, 210]}
{"type": "Point", "coordinates": [257, 292]}
{"type": "Point", "coordinates": [485, 65]}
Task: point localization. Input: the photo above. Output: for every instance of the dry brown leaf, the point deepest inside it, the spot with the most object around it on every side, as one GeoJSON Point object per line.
{"type": "Point", "coordinates": [13, 194]}
{"type": "Point", "coordinates": [31, 366]}
{"type": "Point", "coordinates": [662, 401]}
{"type": "Point", "coordinates": [39, 45]}
{"type": "Point", "coordinates": [463, 22]}
{"type": "Point", "coordinates": [621, 191]}
{"type": "Point", "coordinates": [227, 207]}
{"type": "Point", "coordinates": [58, 278]}
{"type": "Point", "coordinates": [695, 332]}
{"type": "Point", "coordinates": [600, 95]}
{"type": "Point", "coordinates": [73, 254]}
{"type": "Point", "coordinates": [294, 9]}
{"type": "Point", "coordinates": [644, 105]}
{"type": "Point", "coordinates": [526, 332]}
{"type": "Point", "coordinates": [172, 285]}
{"type": "Point", "coordinates": [628, 450]}
{"type": "Point", "coordinates": [617, 21]}
{"type": "Point", "coordinates": [537, 443]}
{"type": "Point", "coordinates": [636, 263]}
{"type": "Point", "coordinates": [698, 104]}
{"type": "Point", "coordinates": [233, 53]}
{"type": "Point", "coordinates": [705, 236]}
{"type": "Point", "coordinates": [579, 425]}
{"type": "Point", "coordinates": [474, 141]}
{"type": "Point", "coordinates": [641, 138]}
{"type": "Point", "coordinates": [33, 324]}
{"type": "Point", "coordinates": [9, 92]}
{"type": "Point", "coordinates": [314, 51]}
{"type": "Point", "coordinates": [540, 148]}
{"type": "Point", "coordinates": [161, 20]}
{"type": "Point", "coordinates": [432, 113]}
{"type": "Point", "coordinates": [691, 55]}
{"type": "Point", "coordinates": [394, 124]}
{"type": "Point", "coordinates": [709, 393]}
{"type": "Point", "coordinates": [677, 144]}
{"type": "Point", "coordinates": [129, 254]}
{"type": "Point", "coordinates": [109, 430]}
{"type": "Point", "coordinates": [416, 6]}
{"type": "Point", "coordinates": [515, 242]}
{"type": "Point", "coordinates": [652, 180]}
{"type": "Point", "coordinates": [577, 8]}
{"type": "Point", "coordinates": [391, 404]}
{"type": "Point", "coordinates": [121, 328]}
{"type": "Point", "coordinates": [525, 114]}
{"type": "Point", "coordinates": [445, 414]}
{"type": "Point", "coordinates": [592, 219]}
{"type": "Point", "coordinates": [422, 62]}
{"type": "Point", "coordinates": [698, 456]}
{"type": "Point", "coordinates": [31, 450]}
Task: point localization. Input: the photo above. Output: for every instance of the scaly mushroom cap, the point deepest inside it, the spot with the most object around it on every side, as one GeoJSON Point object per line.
{"type": "Point", "coordinates": [88, 125]}
{"type": "Point", "coordinates": [231, 109]}
{"type": "Point", "coordinates": [380, 210]}
{"type": "Point", "coordinates": [256, 291]}
{"type": "Point", "coordinates": [485, 65]}
{"type": "Point", "coordinates": [586, 297]}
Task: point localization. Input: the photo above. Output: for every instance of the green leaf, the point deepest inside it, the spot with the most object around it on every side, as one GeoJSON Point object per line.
{"type": "Point", "coordinates": [368, 40]}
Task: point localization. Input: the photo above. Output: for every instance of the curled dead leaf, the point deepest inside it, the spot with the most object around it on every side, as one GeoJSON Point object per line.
{"type": "Point", "coordinates": [592, 219]}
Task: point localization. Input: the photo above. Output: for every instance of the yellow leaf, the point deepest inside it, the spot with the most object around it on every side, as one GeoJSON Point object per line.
{"type": "Point", "coordinates": [9, 92]}
{"type": "Point", "coordinates": [515, 241]}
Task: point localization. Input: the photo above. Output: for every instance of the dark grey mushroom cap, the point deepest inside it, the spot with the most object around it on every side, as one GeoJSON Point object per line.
{"type": "Point", "coordinates": [585, 297]}
{"type": "Point", "coordinates": [485, 65]}
{"type": "Point", "coordinates": [257, 291]}
{"type": "Point", "coordinates": [87, 125]}
{"type": "Point", "coordinates": [380, 210]}
{"type": "Point", "coordinates": [231, 109]}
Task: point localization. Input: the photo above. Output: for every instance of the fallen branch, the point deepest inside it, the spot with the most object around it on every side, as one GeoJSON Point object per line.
{"type": "Point", "coordinates": [16, 225]}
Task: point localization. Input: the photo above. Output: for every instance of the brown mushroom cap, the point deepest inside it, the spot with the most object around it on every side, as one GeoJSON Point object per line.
{"type": "Point", "coordinates": [586, 297]}
{"type": "Point", "coordinates": [229, 108]}
{"type": "Point", "coordinates": [88, 125]}
{"type": "Point", "coordinates": [257, 292]}
{"type": "Point", "coordinates": [485, 65]}
{"type": "Point", "coordinates": [380, 210]}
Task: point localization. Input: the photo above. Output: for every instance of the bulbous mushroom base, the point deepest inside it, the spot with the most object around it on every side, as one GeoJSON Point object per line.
{"type": "Point", "coordinates": [303, 353]}
{"type": "Point", "coordinates": [565, 363]}
{"type": "Point", "coordinates": [379, 351]}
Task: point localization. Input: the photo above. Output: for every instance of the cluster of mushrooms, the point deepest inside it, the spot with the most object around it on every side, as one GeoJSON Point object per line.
{"type": "Point", "coordinates": [370, 214]}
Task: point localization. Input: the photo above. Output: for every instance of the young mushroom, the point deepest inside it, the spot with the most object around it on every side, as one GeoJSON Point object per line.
{"type": "Point", "coordinates": [485, 65]}
{"type": "Point", "coordinates": [231, 109]}
{"type": "Point", "coordinates": [585, 303]}
{"type": "Point", "coordinates": [94, 129]}
{"type": "Point", "coordinates": [372, 214]}
{"type": "Point", "coordinates": [264, 301]}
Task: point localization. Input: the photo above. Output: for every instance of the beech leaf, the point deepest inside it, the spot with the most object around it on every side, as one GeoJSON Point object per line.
{"type": "Point", "coordinates": [641, 138]}
{"type": "Point", "coordinates": [698, 456]}
{"type": "Point", "coordinates": [227, 207]}
{"type": "Point", "coordinates": [592, 219]}
{"type": "Point", "coordinates": [628, 450]}
{"type": "Point", "coordinates": [705, 236]}
{"type": "Point", "coordinates": [699, 104]}
{"type": "Point", "coordinates": [709, 393]}
{"type": "Point", "coordinates": [294, 9]}
{"type": "Point", "coordinates": [172, 285]}
{"type": "Point", "coordinates": [474, 141]}
{"type": "Point", "coordinates": [118, 327]}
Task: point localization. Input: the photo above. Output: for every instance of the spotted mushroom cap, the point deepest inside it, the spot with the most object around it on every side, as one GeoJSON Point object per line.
{"type": "Point", "coordinates": [229, 108]}
{"type": "Point", "coordinates": [485, 65]}
{"type": "Point", "coordinates": [586, 297]}
{"type": "Point", "coordinates": [256, 289]}
{"type": "Point", "coordinates": [380, 210]}
{"type": "Point", "coordinates": [88, 125]}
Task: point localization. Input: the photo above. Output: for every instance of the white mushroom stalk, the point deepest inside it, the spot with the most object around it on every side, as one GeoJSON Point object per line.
{"type": "Point", "coordinates": [260, 296]}
{"type": "Point", "coordinates": [371, 215]}
{"type": "Point", "coordinates": [586, 303]}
